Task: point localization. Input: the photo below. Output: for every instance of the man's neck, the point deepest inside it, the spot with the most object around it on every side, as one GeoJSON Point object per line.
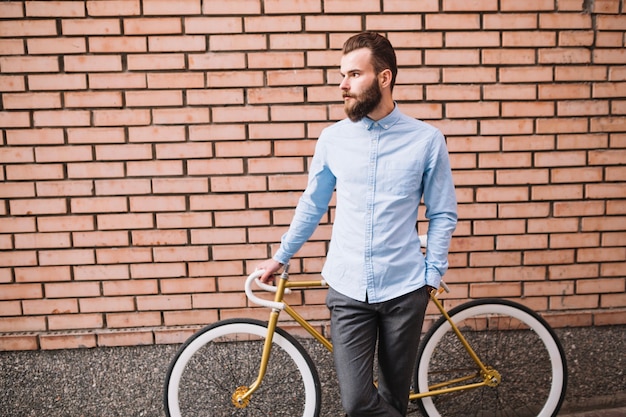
{"type": "Point", "coordinates": [384, 108]}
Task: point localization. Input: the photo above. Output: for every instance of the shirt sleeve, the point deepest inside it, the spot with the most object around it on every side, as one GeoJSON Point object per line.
{"type": "Point", "coordinates": [313, 204]}
{"type": "Point", "coordinates": [441, 210]}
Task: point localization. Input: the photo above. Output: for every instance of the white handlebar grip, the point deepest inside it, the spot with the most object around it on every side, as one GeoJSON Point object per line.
{"type": "Point", "coordinates": [256, 300]}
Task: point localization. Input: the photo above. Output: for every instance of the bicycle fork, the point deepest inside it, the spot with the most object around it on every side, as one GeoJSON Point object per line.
{"type": "Point", "coordinates": [242, 394]}
{"type": "Point", "coordinates": [490, 376]}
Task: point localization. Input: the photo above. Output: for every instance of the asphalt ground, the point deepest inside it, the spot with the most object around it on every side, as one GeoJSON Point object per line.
{"type": "Point", "coordinates": [128, 381]}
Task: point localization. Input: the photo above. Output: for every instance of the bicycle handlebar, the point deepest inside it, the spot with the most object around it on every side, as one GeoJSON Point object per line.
{"type": "Point", "coordinates": [254, 277]}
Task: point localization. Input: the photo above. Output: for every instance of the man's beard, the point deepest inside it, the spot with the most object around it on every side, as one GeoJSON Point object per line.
{"type": "Point", "coordinates": [364, 103]}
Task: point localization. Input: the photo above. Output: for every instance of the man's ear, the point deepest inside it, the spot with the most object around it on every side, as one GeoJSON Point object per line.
{"type": "Point", "coordinates": [384, 78]}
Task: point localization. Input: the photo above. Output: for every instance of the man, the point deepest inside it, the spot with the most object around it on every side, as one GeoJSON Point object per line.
{"type": "Point", "coordinates": [381, 163]}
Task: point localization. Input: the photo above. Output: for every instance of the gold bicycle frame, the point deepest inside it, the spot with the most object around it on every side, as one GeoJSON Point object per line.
{"type": "Point", "coordinates": [489, 376]}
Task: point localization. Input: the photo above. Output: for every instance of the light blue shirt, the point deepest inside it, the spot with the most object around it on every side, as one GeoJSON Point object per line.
{"type": "Point", "coordinates": [380, 169]}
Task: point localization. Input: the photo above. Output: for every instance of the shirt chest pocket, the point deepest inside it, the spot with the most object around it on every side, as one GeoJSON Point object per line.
{"type": "Point", "coordinates": [399, 178]}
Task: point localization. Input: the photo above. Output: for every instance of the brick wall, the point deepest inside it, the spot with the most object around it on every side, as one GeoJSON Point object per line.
{"type": "Point", "coordinates": [153, 152]}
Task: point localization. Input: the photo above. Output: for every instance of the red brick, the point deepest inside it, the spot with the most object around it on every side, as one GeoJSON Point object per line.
{"type": "Point", "coordinates": [163, 302]}
{"type": "Point", "coordinates": [91, 27]}
{"type": "Point", "coordinates": [609, 317]}
{"type": "Point", "coordinates": [216, 96]}
{"type": "Point", "coordinates": [235, 79]}
{"type": "Point", "coordinates": [130, 287]}
{"type": "Point", "coordinates": [180, 185]}
{"type": "Point", "coordinates": [154, 168]}
{"type": "Point", "coordinates": [327, 23]}
{"type": "Point", "coordinates": [100, 63]}
{"type": "Point", "coordinates": [219, 300]}
{"type": "Point", "coordinates": [577, 38]}
{"type": "Point", "coordinates": [108, 44]}
{"type": "Point", "coordinates": [99, 204]}
{"type": "Point", "coordinates": [187, 318]}
{"type": "Point", "coordinates": [138, 319]}
{"type": "Point", "coordinates": [154, 62]}
{"type": "Point", "coordinates": [508, 56]}
{"type": "Point", "coordinates": [130, 338]}
{"type": "Point", "coordinates": [182, 220]}
{"type": "Point", "coordinates": [564, 56]}
{"type": "Point", "coordinates": [564, 91]}
{"type": "Point", "coordinates": [452, 21]}
{"type": "Point", "coordinates": [11, 342]}
{"type": "Point", "coordinates": [578, 73]}
{"type": "Point", "coordinates": [117, 81]}
{"type": "Point", "coordinates": [54, 8]}
{"type": "Point", "coordinates": [12, 82]}
{"type": "Point", "coordinates": [101, 272]}
{"type": "Point", "coordinates": [213, 25]}
{"type": "Point", "coordinates": [152, 26]}
{"type": "Point", "coordinates": [245, 7]}
{"type": "Point", "coordinates": [187, 43]}
{"type": "Point", "coordinates": [95, 135]}
{"type": "Point", "coordinates": [124, 186]}
{"type": "Point", "coordinates": [124, 221]}
{"type": "Point", "coordinates": [29, 64]}
{"type": "Point", "coordinates": [42, 240]}
{"type": "Point", "coordinates": [67, 341]}
{"type": "Point", "coordinates": [564, 125]}
{"type": "Point", "coordinates": [548, 288]}
{"type": "Point", "coordinates": [159, 237]}
{"type": "Point", "coordinates": [154, 270]}
{"type": "Point", "coordinates": [181, 254]}
{"type": "Point", "coordinates": [548, 257]}
{"type": "Point", "coordinates": [106, 304]}
{"type": "Point", "coordinates": [217, 202]}
{"type": "Point", "coordinates": [238, 42]}
{"type": "Point", "coordinates": [65, 223]}
{"type": "Point", "coordinates": [11, 9]}
{"type": "Point", "coordinates": [218, 60]}
{"type": "Point", "coordinates": [512, 289]}
{"type": "Point", "coordinates": [573, 302]}
{"type": "Point", "coordinates": [113, 8]}
{"type": "Point", "coordinates": [93, 99]}
{"type": "Point", "coordinates": [28, 28]}
{"type": "Point", "coordinates": [17, 189]}
{"type": "Point", "coordinates": [531, 5]}
{"type": "Point", "coordinates": [100, 238]}
{"type": "Point", "coordinates": [66, 257]}
{"type": "Point", "coordinates": [164, 7]}
{"type": "Point", "coordinates": [215, 236]}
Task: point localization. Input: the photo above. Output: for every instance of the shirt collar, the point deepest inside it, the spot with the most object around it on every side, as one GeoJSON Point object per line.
{"type": "Point", "coordinates": [386, 122]}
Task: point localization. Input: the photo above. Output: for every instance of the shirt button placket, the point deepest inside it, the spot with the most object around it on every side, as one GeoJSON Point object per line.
{"type": "Point", "coordinates": [371, 184]}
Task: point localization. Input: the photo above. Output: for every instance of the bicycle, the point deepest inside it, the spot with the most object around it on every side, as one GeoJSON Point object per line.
{"type": "Point", "coordinates": [484, 358]}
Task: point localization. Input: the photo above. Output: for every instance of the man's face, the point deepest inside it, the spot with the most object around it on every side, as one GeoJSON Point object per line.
{"type": "Point", "coordinates": [360, 89]}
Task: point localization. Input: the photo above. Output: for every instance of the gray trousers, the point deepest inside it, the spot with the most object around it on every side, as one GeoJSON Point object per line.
{"type": "Point", "coordinates": [355, 328]}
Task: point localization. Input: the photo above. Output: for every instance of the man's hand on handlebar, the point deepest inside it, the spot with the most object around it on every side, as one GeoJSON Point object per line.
{"type": "Point", "coordinates": [271, 267]}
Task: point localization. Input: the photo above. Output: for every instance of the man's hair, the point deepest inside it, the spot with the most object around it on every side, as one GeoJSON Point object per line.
{"type": "Point", "coordinates": [383, 54]}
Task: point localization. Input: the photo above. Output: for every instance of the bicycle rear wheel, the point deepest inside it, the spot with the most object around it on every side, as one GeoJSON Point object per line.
{"type": "Point", "coordinates": [218, 359]}
{"type": "Point", "coordinates": [506, 336]}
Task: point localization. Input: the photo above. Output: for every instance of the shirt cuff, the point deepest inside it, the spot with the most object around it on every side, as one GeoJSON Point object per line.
{"type": "Point", "coordinates": [281, 257]}
{"type": "Point", "coordinates": [433, 278]}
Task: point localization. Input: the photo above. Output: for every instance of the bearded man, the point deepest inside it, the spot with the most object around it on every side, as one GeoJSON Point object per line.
{"type": "Point", "coordinates": [381, 164]}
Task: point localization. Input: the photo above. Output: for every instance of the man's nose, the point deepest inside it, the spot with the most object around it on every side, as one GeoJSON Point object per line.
{"type": "Point", "coordinates": [344, 84]}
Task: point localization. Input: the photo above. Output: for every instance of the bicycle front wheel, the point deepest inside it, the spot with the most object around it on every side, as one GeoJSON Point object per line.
{"type": "Point", "coordinates": [507, 337]}
{"type": "Point", "coordinates": [225, 356]}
